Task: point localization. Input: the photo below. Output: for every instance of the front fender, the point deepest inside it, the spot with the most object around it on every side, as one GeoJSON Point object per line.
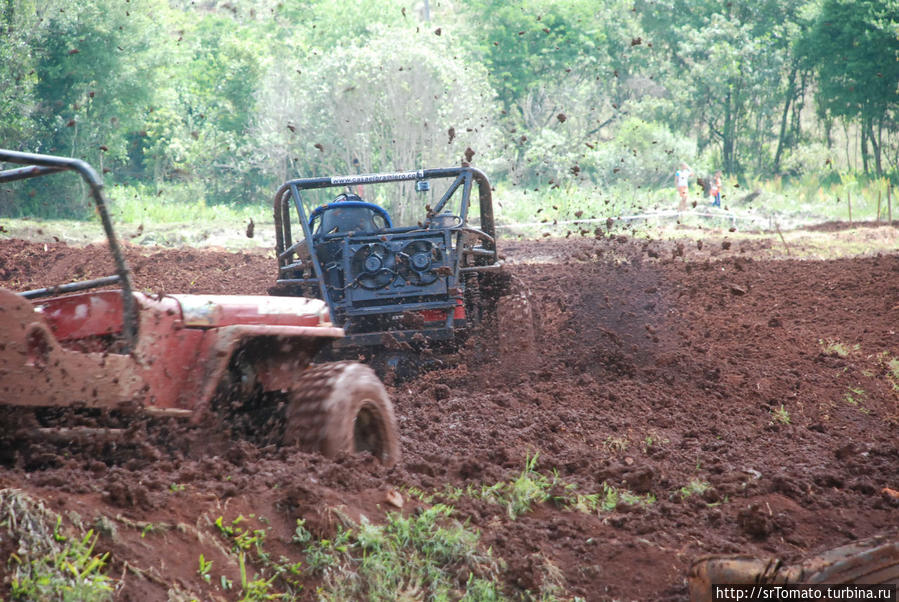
{"type": "Point", "coordinates": [273, 355]}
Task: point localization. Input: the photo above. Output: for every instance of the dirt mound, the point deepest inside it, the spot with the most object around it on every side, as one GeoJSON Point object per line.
{"type": "Point", "coordinates": [836, 226]}
{"type": "Point", "coordinates": [689, 399]}
{"type": "Point", "coordinates": [25, 265]}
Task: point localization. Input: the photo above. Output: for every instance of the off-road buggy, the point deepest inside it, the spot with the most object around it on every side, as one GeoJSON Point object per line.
{"type": "Point", "coordinates": [242, 363]}
{"type": "Point", "coordinates": [408, 292]}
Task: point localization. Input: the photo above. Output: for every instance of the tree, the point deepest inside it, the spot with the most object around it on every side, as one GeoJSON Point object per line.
{"type": "Point", "coordinates": [95, 76]}
{"type": "Point", "coordinates": [729, 69]}
{"type": "Point", "coordinates": [75, 80]}
{"type": "Point", "coordinates": [16, 73]}
{"type": "Point", "coordinates": [198, 129]}
{"type": "Point", "coordinates": [565, 73]}
{"type": "Point", "coordinates": [854, 50]}
{"type": "Point", "coordinates": [386, 105]}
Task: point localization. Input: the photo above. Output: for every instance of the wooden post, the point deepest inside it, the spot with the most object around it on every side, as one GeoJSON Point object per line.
{"type": "Point", "coordinates": [849, 202]}
{"type": "Point", "coordinates": [878, 204]}
{"type": "Point", "coordinates": [890, 202]}
{"type": "Point", "coordinates": [784, 240]}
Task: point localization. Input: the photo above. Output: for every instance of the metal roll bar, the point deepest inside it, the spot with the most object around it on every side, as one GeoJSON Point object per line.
{"type": "Point", "coordinates": [39, 165]}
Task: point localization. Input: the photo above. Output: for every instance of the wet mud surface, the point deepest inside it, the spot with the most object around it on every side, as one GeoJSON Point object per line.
{"type": "Point", "coordinates": [752, 397]}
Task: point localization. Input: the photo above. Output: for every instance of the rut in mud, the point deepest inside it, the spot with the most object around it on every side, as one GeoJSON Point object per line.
{"type": "Point", "coordinates": [748, 402]}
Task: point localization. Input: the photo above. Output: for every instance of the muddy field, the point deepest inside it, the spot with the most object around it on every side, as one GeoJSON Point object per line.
{"type": "Point", "coordinates": [747, 401]}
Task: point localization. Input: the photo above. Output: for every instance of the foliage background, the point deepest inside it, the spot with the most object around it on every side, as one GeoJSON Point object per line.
{"type": "Point", "coordinates": [217, 102]}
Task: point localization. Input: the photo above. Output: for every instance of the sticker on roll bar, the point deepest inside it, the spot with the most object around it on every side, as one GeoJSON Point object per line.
{"type": "Point", "coordinates": [379, 177]}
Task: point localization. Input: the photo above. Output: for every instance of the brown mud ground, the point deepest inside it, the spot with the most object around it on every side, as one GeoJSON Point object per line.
{"type": "Point", "coordinates": [763, 381]}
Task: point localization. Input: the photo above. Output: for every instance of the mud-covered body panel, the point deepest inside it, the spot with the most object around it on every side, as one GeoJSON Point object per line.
{"type": "Point", "coordinates": [65, 350]}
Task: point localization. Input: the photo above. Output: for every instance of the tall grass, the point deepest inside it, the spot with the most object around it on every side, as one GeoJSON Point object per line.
{"type": "Point", "coordinates": [175, 203]}
{"type": "Point", "coordinates": [566, 209]}
{"type": "Point", "coordinates": [827, 197]}
{"type": "Point", "coordinates": [793, 202]}
{"type": "Point", "coordinates": [806, 200]}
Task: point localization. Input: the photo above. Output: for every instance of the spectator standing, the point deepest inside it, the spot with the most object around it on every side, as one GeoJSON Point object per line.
{"type": "Point", "coordinates": [715, 189]}
{"type": "Point", "coordinates": [682, 183]}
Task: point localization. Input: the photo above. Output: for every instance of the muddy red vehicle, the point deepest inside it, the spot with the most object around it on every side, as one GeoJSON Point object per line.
{"type": "Point", "coordinates": [245, 362]}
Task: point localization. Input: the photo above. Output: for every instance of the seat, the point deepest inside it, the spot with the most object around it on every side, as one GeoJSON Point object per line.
{"type": "Point", "coordinates": [353, 218]}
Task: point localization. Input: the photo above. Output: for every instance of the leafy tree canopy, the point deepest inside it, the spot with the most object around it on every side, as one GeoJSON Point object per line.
{"type": "Point", "coordinates": [854, 49]}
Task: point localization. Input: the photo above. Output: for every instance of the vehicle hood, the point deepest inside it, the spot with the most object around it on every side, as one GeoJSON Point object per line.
{"type": "Point", "coordinates": [227, 310]}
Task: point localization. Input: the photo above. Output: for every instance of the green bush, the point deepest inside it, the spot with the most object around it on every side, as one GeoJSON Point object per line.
{"type": "Point", "coordinates": [642, 154]}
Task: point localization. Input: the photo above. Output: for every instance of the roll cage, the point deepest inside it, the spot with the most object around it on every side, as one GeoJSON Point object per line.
{"type": "Point", "coordinates": [39, 165]}
{"type": "Point", "coordinates": [474, 249]}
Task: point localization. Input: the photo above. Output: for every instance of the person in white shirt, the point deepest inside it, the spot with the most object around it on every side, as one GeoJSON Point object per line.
{"type": "Point", "coordinates": [682, 182]}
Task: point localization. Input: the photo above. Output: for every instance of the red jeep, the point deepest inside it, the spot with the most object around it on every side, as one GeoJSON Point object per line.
{"type": "Point", "coordinates": [184, 355]}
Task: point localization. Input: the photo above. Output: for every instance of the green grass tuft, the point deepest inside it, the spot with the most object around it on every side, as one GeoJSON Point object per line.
{"type": "Point", "coordinates": [532, 487]}
{"type": "Point", "coordinates": [836, 348]}
{"type": "Point", "coordinates": [48, 564]}
{"type": "Point", "coordinates": [528, 489]}
{"type": "Point", "coordinates": [425, 556]}
{"type": "Point", "coordinates": [781, 415]}
{"type": "Point", "coordinates": [696, 486]}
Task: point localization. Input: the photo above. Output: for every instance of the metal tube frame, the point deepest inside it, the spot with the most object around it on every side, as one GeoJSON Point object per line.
{"type": "Point", "coordinates": [39, 165]}
{"type": "Point", "coordinates": [463, 176]}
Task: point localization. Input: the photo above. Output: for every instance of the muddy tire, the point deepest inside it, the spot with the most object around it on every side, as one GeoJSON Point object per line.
{"type": "Point", "coordinates": [341, 407]}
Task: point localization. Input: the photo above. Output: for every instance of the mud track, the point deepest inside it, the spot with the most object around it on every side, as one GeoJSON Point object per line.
{"type": "Point", "coordinates": [752, 396]}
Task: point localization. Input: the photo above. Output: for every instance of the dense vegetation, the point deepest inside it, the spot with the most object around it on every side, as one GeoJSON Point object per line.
{"type": "Point", "coordinates": [216, 102]}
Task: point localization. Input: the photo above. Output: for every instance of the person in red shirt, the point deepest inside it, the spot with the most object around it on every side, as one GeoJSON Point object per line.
{"type": "Point", "coordinates": [715, 189]}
